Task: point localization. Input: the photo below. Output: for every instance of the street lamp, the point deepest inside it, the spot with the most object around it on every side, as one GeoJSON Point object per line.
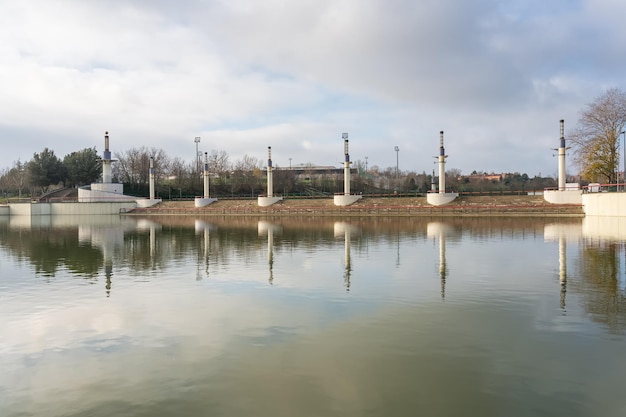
{"type": "Point", "coordinates": [623, 133]}
{"type": "Point", "coordinates": [197, 140]}
{"type": "Point", "coordinates": [397, 165]}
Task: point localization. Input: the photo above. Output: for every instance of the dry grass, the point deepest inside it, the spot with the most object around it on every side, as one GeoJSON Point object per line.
{"type": "Point", "coordinates": [487, 205]}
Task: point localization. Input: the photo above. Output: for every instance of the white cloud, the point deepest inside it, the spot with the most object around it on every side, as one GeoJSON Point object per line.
{"type": "Point", "coordinates": [245, 75]}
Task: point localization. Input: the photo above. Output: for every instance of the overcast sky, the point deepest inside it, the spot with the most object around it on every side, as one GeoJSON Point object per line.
{"type": "Point", "coordinates": [495, 76]}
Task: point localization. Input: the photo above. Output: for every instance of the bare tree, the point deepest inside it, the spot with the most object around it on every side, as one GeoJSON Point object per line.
{"type": "Point", "coordinates": [248, 173]}
{"type": "Point", "coordinates": [17, 177]}
{"type": "Point", "coordinates": [596, 137]}
{"type": "Point", "coordinates": [133, 166]}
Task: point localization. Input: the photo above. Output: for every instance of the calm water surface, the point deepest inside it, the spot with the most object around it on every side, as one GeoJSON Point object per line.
{"type": "Point", "coordinates": [120, 316]}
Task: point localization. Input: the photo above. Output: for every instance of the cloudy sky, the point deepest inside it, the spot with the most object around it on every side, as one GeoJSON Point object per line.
{"type": "Point", "coordinates": [495, 75]}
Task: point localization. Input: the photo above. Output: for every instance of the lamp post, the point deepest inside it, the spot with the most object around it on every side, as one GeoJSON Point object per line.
{"type": "Point", "coordinates": [197, 140]}
{"type": "Point", "coordinates": [623, 133]}
{"type": "Point", "coordinates": [397, 164]}
{"type": "Point", "coordinates": [366, 164]}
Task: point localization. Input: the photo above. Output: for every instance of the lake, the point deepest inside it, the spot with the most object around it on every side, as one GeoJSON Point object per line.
{"type": "Point", "coordinates": [218, 316]}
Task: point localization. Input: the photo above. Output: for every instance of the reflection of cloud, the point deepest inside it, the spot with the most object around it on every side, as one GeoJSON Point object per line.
{"type": "Point", "coordinates": [256, 357]}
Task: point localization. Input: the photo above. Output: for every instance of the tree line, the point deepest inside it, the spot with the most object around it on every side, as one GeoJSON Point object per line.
{"type": "Point", "coordinates": [595, 142]}
{"type": "Point", "coordinates": [179, 179]}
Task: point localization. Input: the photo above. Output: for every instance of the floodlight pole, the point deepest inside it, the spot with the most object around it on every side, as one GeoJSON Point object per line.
{"type": "Point", "coordinates": [197, 140]}
{"type": "Point", "coordinates": [397, 160]}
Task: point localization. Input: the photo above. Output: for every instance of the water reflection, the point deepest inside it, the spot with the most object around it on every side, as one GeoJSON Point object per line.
{"type": "Point", "coordinates": [438, 231]}
{"type": "Point", "coordinates": [346, 230]}
{"type": "Point", "coordinates": [203, 228]}
{"type": "Point", "coordinates": [267, 228]}
{"type": "Point", "coordinates": [276, 331]}
{"type": "Point", "coordinates": [562, 233]}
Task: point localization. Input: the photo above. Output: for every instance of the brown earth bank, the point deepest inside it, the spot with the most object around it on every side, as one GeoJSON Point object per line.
{"type": "Point", "coordinates": [522, 205]}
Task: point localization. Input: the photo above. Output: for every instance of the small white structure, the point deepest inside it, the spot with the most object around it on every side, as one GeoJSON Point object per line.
{"type": "Point", "coordinates": [205, 200]}
{"type": "Point", "coordinates": [149, 202]}
{"type": "Point", "coordinates": [441, 198]}
{"type": "Point", "coordinates": [106, 191]}
{"type": "Point", "coordinates": [346, 199]}
{"type": "Point", "coordinates": [269, 199]}
{"type": "Point", "coordinates": [566, 193]}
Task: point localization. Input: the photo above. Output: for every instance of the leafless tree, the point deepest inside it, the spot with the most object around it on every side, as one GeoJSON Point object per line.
{"type": "Point", "coordinates": [133, 166]}
{"type": "Point", "coordinates": [596, 137]}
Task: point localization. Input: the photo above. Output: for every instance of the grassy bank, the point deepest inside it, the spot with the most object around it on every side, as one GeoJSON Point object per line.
{"type": "Point", "coordinates": [529, 206]}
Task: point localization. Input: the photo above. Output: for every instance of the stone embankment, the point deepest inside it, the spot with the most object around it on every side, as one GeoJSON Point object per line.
{"type": "Point", "coordinates": [523, 206]}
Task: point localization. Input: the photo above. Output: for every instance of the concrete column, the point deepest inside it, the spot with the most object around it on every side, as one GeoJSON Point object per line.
{"type": "Point", "coordinates": [442, 165]}
{"type": "Point", "coordinates": [346, 168]}
{"type": "Point", "coordinates": [270, 182]}
{"type": "Point", "coordinates": [206, 175]}
{"type": "Point", "coordinates": [151, 178]}
{"type": "Point", "coordinates": [106, 161]}
{"type": "Point", "coordinates": [346, 199]}
{"type": "Point", "coordinates": [562, 178]}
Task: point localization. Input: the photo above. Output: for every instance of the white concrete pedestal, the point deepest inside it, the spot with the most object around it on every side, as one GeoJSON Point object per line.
{"type": "Point", "coordinates": [439, 199]}
{"type": "Point", "coordinates": [346, 200]}
{"type": "Point", "coordinates": [563, 196]}
{"type": "Point", "coordinates": [268, 201]}
{"type": "Point", "coordinates": [203, 201]}
{"type": "Point", "coordinates": [147, 202]}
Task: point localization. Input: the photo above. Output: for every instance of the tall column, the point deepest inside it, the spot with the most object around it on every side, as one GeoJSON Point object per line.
{"type": "Point", "coordinates": [346, 166]}
{"type": "Point", "coordinates": [270, 183]}
{"type": "Point", "coordinates": [442, 165]}
{"type": "Point", "coordinates": [151, 178]}
{"type": "Point", "coordinates": [206, 175]}
{"type": "Point", "coordinates": [106, 161]}
{"type": "Point", "coordinates": [562, 159]}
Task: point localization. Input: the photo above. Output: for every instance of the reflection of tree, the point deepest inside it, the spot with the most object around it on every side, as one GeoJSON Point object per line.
{"type": "Point", "coordinates": [49, 249]}
{"type": "Point", "coordinates": [599, 284]}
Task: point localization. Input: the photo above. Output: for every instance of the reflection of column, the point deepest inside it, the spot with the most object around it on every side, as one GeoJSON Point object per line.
{"type": "Point", "coordinates": [106, 240]}
{"type": "Point", "coordinates": [107, 237]}
{"type": "Point", "coordinates": [152, 242]}
{"type": "Point", "coordinates": [108, 270]}
{"type": "Point", "coordinates": [204, 228]}
{"type": "Point", "coordinates": [345, 229]}
{"type": "Point", "coordinates": [439, 231]}
{"type": "Point", "coordinates": [443, 269]}
{"type": "Point", "coordinates": [348, 263]}
{"type": "Point", "coordinates": [207, 247]}
{"type": "Point", "coordinates": [269, 228]}
{"type": "Point", "coordinates": [270, 253]}
{"type": "Point", "coordinates": [562, 233]}
{"type": "Point", "coordinates": [563, 269]}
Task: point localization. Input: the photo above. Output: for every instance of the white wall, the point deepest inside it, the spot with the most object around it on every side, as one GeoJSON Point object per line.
{"type": "Point", "coordinates": [45, 209]}
{"type": "Point", "coordinates": [563, 197]}
{"type": "Point", "coordinates": [604, 204]}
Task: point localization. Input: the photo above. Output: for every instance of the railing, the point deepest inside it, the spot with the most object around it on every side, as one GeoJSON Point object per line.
{"type": "Point", "coordinates": [595, 188]}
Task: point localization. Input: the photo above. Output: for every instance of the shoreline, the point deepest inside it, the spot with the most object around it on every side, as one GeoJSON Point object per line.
{"type": "Point", "coordinates": [496, 206]}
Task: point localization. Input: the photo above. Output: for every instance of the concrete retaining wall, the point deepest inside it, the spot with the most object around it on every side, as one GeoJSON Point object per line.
{"type": "Point", "coordinates": [563, 197]}
{"type": "Point", "coordinates": [604, 204]}
{"type": "Point", "coordinates": [45, 209]}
